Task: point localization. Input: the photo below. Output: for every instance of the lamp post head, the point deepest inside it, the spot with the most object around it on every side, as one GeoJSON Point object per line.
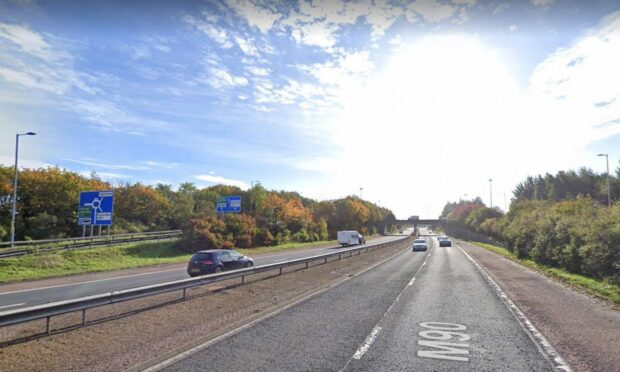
{"type": "Point", "coordinates": [31, 134]}
{"type": "Point", "coordinates": [601, 155]}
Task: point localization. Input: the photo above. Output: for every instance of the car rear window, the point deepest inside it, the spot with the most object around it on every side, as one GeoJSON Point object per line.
{"type": "Point", "coordinates": [202, 256]}
{"type": "Point", "coordinates": [420, 241]}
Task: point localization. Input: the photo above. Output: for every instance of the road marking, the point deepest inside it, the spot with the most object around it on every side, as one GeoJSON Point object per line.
{"type": "Point", "coordinates": [366, 345]}
{"type": "Point", "coordinates": [375, 331]}
{"type": "Point", "coordinates": [541, 342]}
{"type": "Point", "coordinates": [439, 333]}
{"type": "Point", "coordinates": [89, 281]}
{"type": "Point", "coordinates": [7, 306]}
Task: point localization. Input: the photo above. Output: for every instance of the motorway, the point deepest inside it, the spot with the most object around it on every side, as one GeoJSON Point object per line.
{"type": "Point", "coordinates": [14, 299]}
{"type": "Point", "coordinates": [418, 311]}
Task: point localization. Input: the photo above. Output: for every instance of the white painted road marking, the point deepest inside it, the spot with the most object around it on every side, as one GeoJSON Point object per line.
{"type": "Point", "coordinates": [439, 333]}
{"type": "Point", "coordinates": [375, 331]}
{"type": "Point", "coordinates": [7, 306]}
{"type": "Point", "coordinates": [541, 342]}
{"type": "Point", "coordinates": [366, 345]}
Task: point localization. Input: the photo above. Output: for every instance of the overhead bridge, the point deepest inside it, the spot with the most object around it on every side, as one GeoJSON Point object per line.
{"type": "Point", "coordinates": [411, 223]}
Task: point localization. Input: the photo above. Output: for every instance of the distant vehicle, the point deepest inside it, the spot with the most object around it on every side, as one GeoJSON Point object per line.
{"type": "Point", "coordinates": [216, 261]}
{"type": "Point", "coordinates": [350, 237]}
{"type": "Point", "coordinates": [420, 245]}
{"type": "Point", "coordinates": [444, 241]}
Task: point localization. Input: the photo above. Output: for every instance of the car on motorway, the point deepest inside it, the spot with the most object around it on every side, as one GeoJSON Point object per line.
{"type": "Point", "coordinates": [217, 260]}
{"type": "Point", "coordinates": [444, 241]}
{"type": "Point", "coordinates": [419, 245]}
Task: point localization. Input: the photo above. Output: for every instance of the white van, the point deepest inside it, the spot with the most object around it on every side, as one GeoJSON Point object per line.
{"type": "Point", "coordinates": [350, 237]}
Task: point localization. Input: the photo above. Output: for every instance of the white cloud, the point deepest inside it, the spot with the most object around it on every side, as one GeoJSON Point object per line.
{"type": "Point", "coordinates": [348, 72]}
{"type": "Point", "coordinates": [513, 28]}
{"type": "Point", "coordinates": [500, 8]}
{"type": "Point", "coordinates": [464, 2]}
{"type": "Point", "coordinates": [220, 78]}
{"type": "Point", "coordinates": [317, 23]}
{"type": "Point", "coordinates": [583, 80]}
{"type": "Point", "coordinates": [432, 10]}
{"type": "Point", "coordinates": [208, 27]}
{"type": "Point", "coordinates": [104, 175]}
{"type": "Point", "coordinates": [258, 71]}
{"type": "Point", "coordinates": [140, 52]}
{"type": "Point", "coordinates": [261, 17]}
{"type": "Point", "coordinates": [30, 62]}
{"type": "Point", "coordinates": [109, 117]}
{"type": "Point", "coordinates": [221, 180]}
{"type": "Point", "coordinates": [98, 164]}
{"type": "Point", "coordinates": [318, 34]}
{"type": "Point", "coordinates": [247, 46]}
{"type": "Point", "coordinates": [542, 3]}
{"type": "Point", "coordinates": [30, 42]}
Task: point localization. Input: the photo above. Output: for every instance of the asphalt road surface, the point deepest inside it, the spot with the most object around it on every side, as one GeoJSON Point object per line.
{"type": "Point", "coordinates": [428, 311]}
{"type": "Point", "coordinates": [11, 299]}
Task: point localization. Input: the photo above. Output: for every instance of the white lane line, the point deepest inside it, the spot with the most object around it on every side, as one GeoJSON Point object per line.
{"type": "Point", "coordinates": [541, 342]}
{"type": "Point", "coordinates": [89, 281]}
{"type": "Point", "coordinates": [7, 306]}
{"type": "Point", "coordinates": [366, 345]}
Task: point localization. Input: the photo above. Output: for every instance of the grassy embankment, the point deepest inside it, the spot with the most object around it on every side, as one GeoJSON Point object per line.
{"type": "Point", "coordinates": [595, 287]}
{"type": "Point", "coordinates": [109, 258]}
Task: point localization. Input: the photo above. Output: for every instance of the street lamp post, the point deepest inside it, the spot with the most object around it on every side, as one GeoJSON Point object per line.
{"type": "Point", "coordinates": [608, 186]}
{"type": "Point", "coordinates": [14, 209]}
{"type": "Point", "coordinates": [491, 192]}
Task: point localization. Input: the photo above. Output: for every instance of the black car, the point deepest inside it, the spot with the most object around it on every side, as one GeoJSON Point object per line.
{"type": "Point", "coordinates": [444, 241]}
{"type": "Point", "coordinates": [216, 261]}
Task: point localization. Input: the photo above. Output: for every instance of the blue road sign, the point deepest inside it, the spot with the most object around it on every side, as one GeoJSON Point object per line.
{"type": "Point", "coordinates": [95, 208]}
{"type": "Point", "coordinates": [228, 204]}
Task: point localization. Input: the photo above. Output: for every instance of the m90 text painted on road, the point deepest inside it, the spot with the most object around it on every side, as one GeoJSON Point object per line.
{"type": "Point", "coordinates": [437, 336]}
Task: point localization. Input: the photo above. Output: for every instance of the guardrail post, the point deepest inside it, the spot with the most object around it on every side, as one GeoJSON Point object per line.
{"type": "Point", "coordinates": [83, 317]}
{"type": "Point", "coordinates": [306, 264]}
{"type": "Point", "coordinates": [350, 253]}
{"type": "Point", "coordinates": [184, 292]}
{"type": "Point", "coordinates": [325, 259]}
{"type": "Point", "coordinates": [47, 326]}
{"type": "Point", "coordinates": [339, 257]}
{"type": "Point", "coordinates": [242, 279]}
{"type": "Point", "coordinates": [280, 270]}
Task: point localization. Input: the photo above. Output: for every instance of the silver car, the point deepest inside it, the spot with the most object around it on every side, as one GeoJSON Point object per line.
{"type": "Point", "coordinates": [420, 245]}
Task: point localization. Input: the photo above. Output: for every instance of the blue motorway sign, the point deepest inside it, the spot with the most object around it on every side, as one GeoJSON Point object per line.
{"type": "Point", "coordinates": [228, 204]}
{"type": "Point", "coordinates": [95, 208]}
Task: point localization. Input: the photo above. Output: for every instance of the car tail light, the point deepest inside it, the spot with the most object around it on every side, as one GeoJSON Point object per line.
{"type": "Point", "coordinates": [206, 262]}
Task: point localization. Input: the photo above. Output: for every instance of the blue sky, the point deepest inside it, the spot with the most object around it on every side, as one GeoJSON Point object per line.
{"type": "Point", "coordinates": [416, 102]}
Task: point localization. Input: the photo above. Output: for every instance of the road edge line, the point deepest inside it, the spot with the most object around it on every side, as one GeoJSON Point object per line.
{"type": "Point", "coordinates": [541, 342]}
{"type": "Point", "coordinates": [240, 326]}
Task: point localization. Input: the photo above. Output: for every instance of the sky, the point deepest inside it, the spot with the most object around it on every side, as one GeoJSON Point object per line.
{"type": "Point", "coordinates": [411, 104]}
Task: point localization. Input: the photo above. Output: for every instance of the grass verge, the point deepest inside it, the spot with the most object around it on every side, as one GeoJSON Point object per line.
{"type": "Point", "coordinates": [595, 287]}
{"type": "Point", "coordinates": [62, 263]}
